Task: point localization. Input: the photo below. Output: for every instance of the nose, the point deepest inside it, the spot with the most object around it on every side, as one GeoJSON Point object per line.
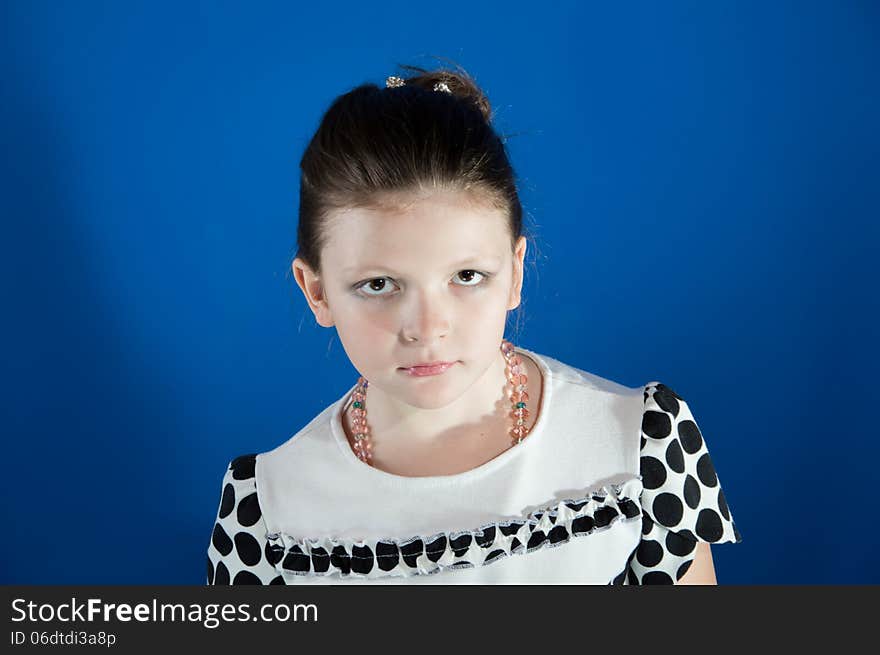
{"type": "Point", "coordinates": [425, 318]}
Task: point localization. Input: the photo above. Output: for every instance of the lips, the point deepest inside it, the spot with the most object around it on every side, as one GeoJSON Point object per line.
{"type": "Point", "coordinates": [425, 364]}
{"type": "Point", "coordinates": [433, 369]}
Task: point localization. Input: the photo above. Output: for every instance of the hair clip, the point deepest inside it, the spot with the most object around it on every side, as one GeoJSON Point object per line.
{"type": "Point", "coordinates": [393, 80]}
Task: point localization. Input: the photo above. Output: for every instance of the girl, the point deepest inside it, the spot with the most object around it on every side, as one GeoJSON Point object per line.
{"type": "Point", "coordinates": [457, 457]}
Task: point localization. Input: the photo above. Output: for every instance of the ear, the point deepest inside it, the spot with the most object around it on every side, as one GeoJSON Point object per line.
{"type": "Point", "coordinates": [313, 290]}
{"type": "Point", "coordinates": [517, 282]}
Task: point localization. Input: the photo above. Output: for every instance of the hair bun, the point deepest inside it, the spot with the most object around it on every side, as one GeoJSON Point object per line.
{"type": "Point", "coordinates": [457, 83]}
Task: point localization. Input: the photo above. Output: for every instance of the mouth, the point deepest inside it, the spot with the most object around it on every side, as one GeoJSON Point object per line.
{"type": "Point", "coordinates": [429, 369]}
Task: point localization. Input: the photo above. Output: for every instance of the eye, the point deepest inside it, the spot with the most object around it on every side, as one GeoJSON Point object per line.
{"type": "Point", "coordinates": [471, 276]}
{"type": "Point", "coordinates": [375, 288]}
{"type": "Point", "coordinates": [371, 284]}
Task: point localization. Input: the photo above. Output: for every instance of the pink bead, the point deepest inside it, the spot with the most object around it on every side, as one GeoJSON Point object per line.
{"type": "Point", "coordinates": [515, 373]}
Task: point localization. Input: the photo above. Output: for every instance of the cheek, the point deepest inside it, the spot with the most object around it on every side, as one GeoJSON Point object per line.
{"type": "Point", "coordinates": [364, 319]}
{"type": "Point", "coordinates": [364, 337]}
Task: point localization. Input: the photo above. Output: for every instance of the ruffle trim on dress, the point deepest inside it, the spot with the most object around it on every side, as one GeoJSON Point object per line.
{"type": "Point", "coordinates": [547, 527]}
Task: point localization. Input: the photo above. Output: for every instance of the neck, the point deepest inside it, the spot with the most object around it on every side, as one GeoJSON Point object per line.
{"type": "Point", "coordinates": [479, 409]}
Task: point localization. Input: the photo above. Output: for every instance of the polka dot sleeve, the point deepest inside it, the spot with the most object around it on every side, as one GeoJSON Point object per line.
{"type": "Point", "coordinates": [682, 501]}
{"type": "Point", "coordinates": [238, 552]}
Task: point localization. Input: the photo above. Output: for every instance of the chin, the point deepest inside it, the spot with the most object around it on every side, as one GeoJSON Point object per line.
{"type": "Point", "coordinates": [431, 398]}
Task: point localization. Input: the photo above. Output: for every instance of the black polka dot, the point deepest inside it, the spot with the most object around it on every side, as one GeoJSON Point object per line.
{"type": "Point", "coordinates": [604, 516]}
{"type": "Point", "coordinates": [558, 534]}
{"type": "Point", "coordinates": [273, 552]}
{"type": "Point", "coordinates": [297, 560]}
{"type": "Point", "coordinates": [511, 528]}
{"type": "Point", "coordinates": [582, 525]}
{"type": "Point", "coordinates": [495, 554]}
{"type": "Point", "coordinates": [227, 502]}
{"type": "Point", "coordinates": [277, 580]}
{"type": "Point", "coordinates": [667, 399]}
{"type": "Point", "coordinates": [683, 569]}
{"type": "Point", "coordinates": [689, 434]}
{"type": "Point", "coordinates": [210, 571]}
{"type": "Point", "coordinates": [709, 526]}
{"type": "Point", "coordinates": [619, 578]}
{"type": "Point", "coordinates": [722, 505]}
{"type": "Point", "coordinates": [642, 442]}
{"type": "Point", "coordinates": [411, 551]}
{"type": "Point", "coordinates": [361, 559]}
{"type": "Point", "coordinates": [320, 560]}
{"type": "Point", "coordinates": [387, 555]}
{"type": "Point", "coordinates": [435, 548]}
{"type": "Point", "coordinates": [243, 467]}
{"type": "Point", "coordinates": [246, 577]}
{"type": "Point", "coordinates": [461, 544]}
{"type": "Point", "coordinates": [248, 548]}
{"type": "Point", "coordinates": [667, 509]}
{"type": "Point", "coordinates": [647, 524]}
{"type": "Point", "coordinates": [536, 539]}
{"type": "Point", "coordinates": [656, 577]}
{"type": "Point", "coordinates": [221, 577]}
{"type": "Point", "coordinates": [691, 492]}
{"type": "Point", "coordinates": [631, 577]}
{"type": "Point", "coordinates": [706, 471]}
{"type": "Point", "coordinates": [680, 544]}
{"type": "Point", "coordinates": [486, 537]}
{"type": "Point", "coordinates": [674, 457]}
{"type": "Point", "coordinates": [656, 425]}
{"type": "Point", "coordinates": [649, 553]}
{"type": "Point", "coordinates": [249, 510]}
{"type": "Point", "coordinates": [629, 507]}
{"type": "Point", "coordinates": [653, 472]}
{"type": "Point", "coordinates": [340, 559]}
{"type": "Point", "coordinates": [688, 534]}
{"type": "Point", "coordinates": [221, 540]}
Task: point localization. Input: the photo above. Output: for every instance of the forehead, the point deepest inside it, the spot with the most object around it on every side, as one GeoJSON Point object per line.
{"type": "Point", "coordinates": [422, 232]}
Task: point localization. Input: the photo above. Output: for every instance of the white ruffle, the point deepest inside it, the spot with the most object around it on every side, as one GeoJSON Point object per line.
{"type": "Point", "coordinates": [597, 509]}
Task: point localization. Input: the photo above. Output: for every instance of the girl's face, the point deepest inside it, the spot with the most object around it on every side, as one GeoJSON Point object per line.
{"type": "Point", "coordinates": [432, 281]}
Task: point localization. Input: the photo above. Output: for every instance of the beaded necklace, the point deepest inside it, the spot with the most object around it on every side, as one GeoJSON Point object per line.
{"type": "Point", "coordinates": [515, 372]}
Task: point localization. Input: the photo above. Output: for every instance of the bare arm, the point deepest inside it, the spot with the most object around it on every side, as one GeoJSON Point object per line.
{"type": "Point", "coordinates": [702, 569]}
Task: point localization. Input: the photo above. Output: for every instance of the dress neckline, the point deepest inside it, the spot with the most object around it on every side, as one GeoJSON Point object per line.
{"type": "Point", "coordinates": [422, 481]}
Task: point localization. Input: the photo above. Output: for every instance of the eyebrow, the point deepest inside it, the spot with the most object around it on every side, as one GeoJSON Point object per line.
{"type": "Point", "coordinates": [467, 260]}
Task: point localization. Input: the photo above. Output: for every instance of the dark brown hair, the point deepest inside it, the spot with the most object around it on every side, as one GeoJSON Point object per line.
{"type": "Point", "coordinates": [373, 142]}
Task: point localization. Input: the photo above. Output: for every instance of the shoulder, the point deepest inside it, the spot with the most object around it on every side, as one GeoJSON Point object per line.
{"type": "Point", "coordinates": [238, 552]}
{"type": "Point", "coordinates": [562, 373]}
{"type": "Point", "coordinates": [574, 393]}
{"type": "Point", "coordinates": [682, 501]}
{"type": "Point", "coordinates": [681, 486]}
{"type": "Point", "coordinates": [240, 491]}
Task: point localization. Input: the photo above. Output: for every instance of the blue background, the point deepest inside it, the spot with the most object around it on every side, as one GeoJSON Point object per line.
{"type": "Point", "coordinates": [702, 179]}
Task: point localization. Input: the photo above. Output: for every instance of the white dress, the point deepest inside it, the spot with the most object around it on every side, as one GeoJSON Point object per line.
{"type": "Point", "coordinates": [613, 485]}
